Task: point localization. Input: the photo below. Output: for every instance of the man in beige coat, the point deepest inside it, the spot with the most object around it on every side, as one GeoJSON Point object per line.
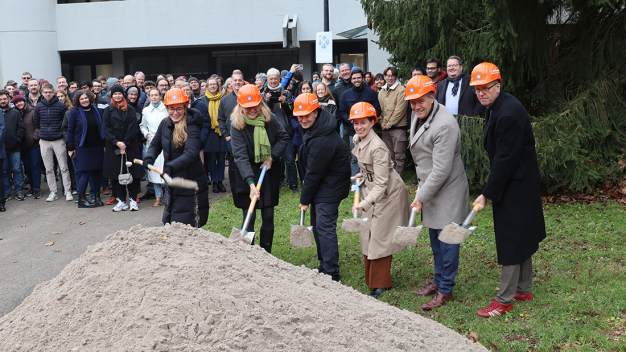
{"type": "Point", "coordinates": [443, 196]}
{"type": "Point", "coordinates": [393, 118]}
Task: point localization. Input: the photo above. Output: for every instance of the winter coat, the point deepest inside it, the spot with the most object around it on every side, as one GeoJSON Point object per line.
{"type": "Point", "coordinates": [353, 96]}
{"type": "Point", "coordinates": [31, 135]}
{"type": "Point", "coordinates": [3, 153]}
{"type": "Point", "coordinates": [436, 151]}
{"type": "Point", "coordinates": [297, 131]}
{"type": "Point", "coordinates": [184, 161]}
{"type": "Point", "coordinates": [120, 126]}
{"type": "Point", "coordinates": [340, 88]}
{"type": "Point", "coordinates": [326, 162]}
{"type": "Point", "coordinates": [49, 118]}
{"type": "Point", "coordinates": [282, 111]}
{"type": "Point", "coordinates": [227, 105]}
{"type": "Point", "coordinates": [213, 142]}
{"type": "Point", "coordinates": [91, 157]}
{"type": "Point", "coordinates": [206, 118]}
{"type": "Point", "coordinates": [246, 169]}
{"type": "Point", "coordinates": [514, 181]}
{"type": "Point", "coordinates": [385, 199]}
{"type": "Point", "coordinates": [469, 105]}
{"type": "Point", "coordinates": [14, 130]}
{"type": "Point", "coordinates": [149, 125]}
{"type": "Point", "coordinates": [393, 106]}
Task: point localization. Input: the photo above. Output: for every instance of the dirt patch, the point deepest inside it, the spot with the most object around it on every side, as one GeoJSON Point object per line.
{"type": "Point", "coordinates": [176, 288]}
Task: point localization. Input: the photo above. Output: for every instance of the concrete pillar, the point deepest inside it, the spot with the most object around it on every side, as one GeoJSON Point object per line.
{"type": "Point", "coordinates": [307, 59]}
{"type": "Point", "coordinates": [118, 63]}
{"type": "Point", "coordinates": [28, 40]}
{"type": "Point", "coordinates": [378, 59]}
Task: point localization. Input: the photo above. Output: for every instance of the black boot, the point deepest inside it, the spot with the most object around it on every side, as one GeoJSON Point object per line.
{"type": "Point", "coordinates": [84, 203]}
{"type": "Point", "coordinates": [220, 186]}
{"type": "Point", "coordinates": [97, 200]}
{"type": "Point", "coordinates": [265, 239]}
{"type": "Point", "coordinates": [215, 189]}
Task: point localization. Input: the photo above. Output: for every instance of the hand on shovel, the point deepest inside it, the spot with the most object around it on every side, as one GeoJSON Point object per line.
{"type": "Point", "coordinates": [481, 201]}
{"type": "Point", "coordinates": [254, 192]}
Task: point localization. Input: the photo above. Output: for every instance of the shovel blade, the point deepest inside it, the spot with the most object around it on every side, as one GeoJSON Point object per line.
{"type": "Point", "coordinates": [241, 235]}
{"type": "Point", "coordinates": [455, 234]}
{"type": "Point", "coordinates": [406, 236]}
{"type": "Point", "coordinates": [248, 237]}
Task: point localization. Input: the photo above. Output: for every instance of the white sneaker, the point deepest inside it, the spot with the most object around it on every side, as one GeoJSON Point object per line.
{"type": "Point", "coordinates": [133, 205]}
{"type": "Point", "coordinates": [68, 196]}
{"type": "Point", "coordinates": [120, 206]}
{"type": "Point", "coordinates": [52, 197]}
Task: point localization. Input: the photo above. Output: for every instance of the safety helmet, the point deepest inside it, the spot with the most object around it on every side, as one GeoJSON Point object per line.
{"type": "Point", "coordinates": [362, 110]}
{"type": "Point", "coordinates": [418, 86]}
{"type": "Point", "coordinates": [175, 96]}
{"type": "Point", "coordinates": [249, 96]}
{"type": "Point", "coordinates": [484, 73]}
{"type": "Point", "coordinates": [305, 104]}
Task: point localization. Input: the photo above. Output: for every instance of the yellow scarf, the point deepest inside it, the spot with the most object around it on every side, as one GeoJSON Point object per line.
{"type": "Point", "coordinates": [214, 104]}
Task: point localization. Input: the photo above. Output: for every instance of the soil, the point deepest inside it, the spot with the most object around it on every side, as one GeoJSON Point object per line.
{"type": "Point", "coordinates": [176, 288]}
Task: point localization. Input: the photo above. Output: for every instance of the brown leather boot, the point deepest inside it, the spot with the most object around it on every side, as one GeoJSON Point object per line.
{"type": "Point", "coordinates": [429, 290]}
{"type": "Point", "coordinates": [439, 300]}
{"type": "Point", "coordinates": [157, 202]}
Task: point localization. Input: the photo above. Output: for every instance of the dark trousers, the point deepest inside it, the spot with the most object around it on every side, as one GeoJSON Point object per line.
{"type": "Point", "coordinates": [515, 279]}
{"type": "Point", "coordinates": [216, 163]}
{"type": "Point", "coordinates": [92, 177]}
{"type": "Point", "coordinates": [120, 190]}
{"type": "Point", "coordinates": [446, 262]}
{"type": "Point", "coordinates": [324, 221]}
{"type": "Point", "coordinates": [290, 162]}
{"type": "Point", "coordinates": [2, 199]}
{"type": "Point", "coordinates": [32, 164]}
{"type": "Point", "coordinates": [378, 272]}
{"type": "Point", "coordinates": [267, 215]}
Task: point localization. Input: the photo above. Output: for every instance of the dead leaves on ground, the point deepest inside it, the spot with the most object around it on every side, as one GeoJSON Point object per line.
{"type": "Point", "coordinates": [473, 336]}
{"type": "Point", "coordinates": [607, 191]}
{"type": "Point", "coordinates": [49, 244]}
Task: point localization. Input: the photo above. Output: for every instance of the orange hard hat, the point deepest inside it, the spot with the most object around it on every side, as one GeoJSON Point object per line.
{"type": "Point", "coordinates": [484, 73]}
{"type": "Point", "coordinates": [362, 110]}
{"type": "Point", "coordinates": [175, 96]}
{"type": "Point", "coordinates": [418, 86]}
{"type": "Point", "coordinates": [249, 96]}
{"type": "Point", "coordinates": [305, 104]}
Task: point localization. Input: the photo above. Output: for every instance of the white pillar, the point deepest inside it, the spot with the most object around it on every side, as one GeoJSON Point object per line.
{"type": "Point", "coordinates": [378, 59]}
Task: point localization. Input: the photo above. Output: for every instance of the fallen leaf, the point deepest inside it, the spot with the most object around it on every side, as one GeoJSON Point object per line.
{"type": "Point", "coordinates": [493, 345]}
{"type": "Point", "coordinates": [49, 244]}
{"type": "Point", "coordinates": [54, 233]}
{"type": "Point", "coordinates": [497, 288]}
{"type": "Point", "coordinates": [164, 237]}
{"type": "Point", "coordinates": [597, 313]}
{"type": "Point", "coordinates": [80, 223]}
{"type": "Point", "coordinates": [57, 250]}
{"type": "Point", "coordinates": [474, 336]}
{"type": "Point", "coordinates": [436, 315]}
{"type": "Point", "coordinates": [23, 225]}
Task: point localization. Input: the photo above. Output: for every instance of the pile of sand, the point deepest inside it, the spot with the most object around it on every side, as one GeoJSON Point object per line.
{"type": "Point", "coordinates": [176, 288]}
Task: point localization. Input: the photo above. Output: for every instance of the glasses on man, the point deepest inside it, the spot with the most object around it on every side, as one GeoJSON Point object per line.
{"type": "Point", "coordinates": [26, 77]}
{"type": "Point", "coordinates": [431, 68]}
{"type": "Point", "coordinates": [483, 90]}
{"type": "Point", "coordinates": [178, 110]}
{"type": "Point", "coordinates": [452, 66]}
{"type": "Point", "coordinates": [47, 92]}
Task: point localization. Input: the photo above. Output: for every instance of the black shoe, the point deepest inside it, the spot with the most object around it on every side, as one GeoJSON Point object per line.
{"type": "Point", "coordinates": [215, 188]}
{"type": "Point", "coordinates": [415, 182]}
{"type": "Point", "coordinates": [265, 239]}
{"type": "Point", "coordinates": [378, 291]}
{"type": "Point", "coordinates": [294, 189]}
{"type": "Point", "coordinates": [30, 193]}
{"type": "Point", "coordinates": [220, 187]}
{"type": "Point", "coordinates": [84, 203]}
{"type": "Point", "coordinates": [336, 278]}
{"type": "Point", "coordinates": [147, 195]}
{"type": "Point", "coordinates": [2, 209]}
{"type": "Point", "coordinates": [20, 196]}
{"type": "Point", "coordinates": [36, 194]}
{"type": "Point", "coordinates": [96, 199]}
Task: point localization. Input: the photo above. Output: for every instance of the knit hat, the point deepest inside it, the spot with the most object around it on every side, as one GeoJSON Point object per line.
{"type": "Point", "coordinates": [117, 88]}
{"type": "Point", "coordinates": [356, 68]}
{"type": "Point", "coordinates": [17, 92]}
{"type": "Point", "coordinates": [17, 98]}
{"type": "Point", "coordinates": [283, 73]}
{"type": "Point", "coordinates": [192, 79]}
{"type": "Point", "coordinates": [131, 89]}
{"type": "Point", "coordinates": [111, 81]}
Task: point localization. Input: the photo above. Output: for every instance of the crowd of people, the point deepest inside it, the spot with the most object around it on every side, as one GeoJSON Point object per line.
{"type": "Point", "coordinates": [313, 136]}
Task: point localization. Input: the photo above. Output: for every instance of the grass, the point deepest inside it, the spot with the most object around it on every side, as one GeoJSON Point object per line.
{"type": "Point", "coordinates": [579, 283]}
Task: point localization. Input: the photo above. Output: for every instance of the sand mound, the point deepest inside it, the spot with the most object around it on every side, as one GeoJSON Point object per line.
{"type": "Point", "coordinates": [199, 291]}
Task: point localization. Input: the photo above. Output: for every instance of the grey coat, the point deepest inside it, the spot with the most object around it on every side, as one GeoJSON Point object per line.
{"type": "Point", "coordinates": [436, 150]}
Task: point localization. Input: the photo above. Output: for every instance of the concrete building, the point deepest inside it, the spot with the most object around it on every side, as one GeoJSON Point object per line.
{"type": "Point", "coordinates": [82, 39]}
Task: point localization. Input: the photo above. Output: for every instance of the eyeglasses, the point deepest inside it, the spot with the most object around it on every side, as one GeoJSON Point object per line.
{"type": "Point", "coordinates": [483, 90]}
{"type": "Point", "coordinates": [178, 110]}
{"type": "Point", "coordinates": [431, 68]}
{"type": "Point", "coordinates": [47, 92]}
{"type": "Point", "coordinates": [26, 77]}
{"type": "Point", "coordinates": [452, 66]}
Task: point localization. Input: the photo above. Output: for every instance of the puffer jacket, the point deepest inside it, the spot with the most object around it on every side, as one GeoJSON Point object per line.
{"type": "Point", "coordinates": [49, 118]}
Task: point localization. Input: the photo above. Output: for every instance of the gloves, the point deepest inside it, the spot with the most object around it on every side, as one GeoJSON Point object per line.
{"type": "Point", "coordinates": [148, 160]}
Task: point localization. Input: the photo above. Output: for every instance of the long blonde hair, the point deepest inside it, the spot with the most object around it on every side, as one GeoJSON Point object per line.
{"type": "Point", "coordinates": [236, 118]}
{"type": "Point", "coordinates": [179, 136]}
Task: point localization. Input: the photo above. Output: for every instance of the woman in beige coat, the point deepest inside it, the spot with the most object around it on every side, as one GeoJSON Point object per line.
{"type": "Point", "coordinates": [385, 201]}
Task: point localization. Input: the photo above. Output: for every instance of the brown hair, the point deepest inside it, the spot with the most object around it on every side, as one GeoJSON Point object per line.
{"type": "Point", "coordinates": [67, 100]}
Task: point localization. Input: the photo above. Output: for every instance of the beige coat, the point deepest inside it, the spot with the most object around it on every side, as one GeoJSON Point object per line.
{"type": "Point", "coordinates": [393, 105]}
{"type": "Point", "coordinates": [385, 198]}
{"type": "Point", "coordinates": [436, 150]}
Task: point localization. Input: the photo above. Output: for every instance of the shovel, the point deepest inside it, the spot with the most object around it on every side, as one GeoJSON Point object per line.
{"type": "Point", "coordinates": [407, 236]}
{"type": "Point", "coordinates": [176, 182]}
{"type": "Point", "coordinates": [355, 224]}
{"type": "Point", "coordinates": [455, 234]}
{"type": "Point", "coordinates": [243, 234]}
{"type": "Point", "coordinates": [301, 236]}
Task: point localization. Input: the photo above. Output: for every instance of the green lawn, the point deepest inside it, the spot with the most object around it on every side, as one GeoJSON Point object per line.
{"type": "Point", "coordinates": [579, 286]}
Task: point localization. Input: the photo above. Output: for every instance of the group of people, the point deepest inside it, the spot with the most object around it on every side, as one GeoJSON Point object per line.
{"type": "Point", "coordinates": [296, 129]}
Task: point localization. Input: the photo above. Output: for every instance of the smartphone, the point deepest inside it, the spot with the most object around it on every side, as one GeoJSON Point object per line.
{"type": "Point", "coordinates": [300, 67]}
{"type": "Point", "coordinates": [274, 97]}
{"type": "Point", "coordinates": [118, 152]}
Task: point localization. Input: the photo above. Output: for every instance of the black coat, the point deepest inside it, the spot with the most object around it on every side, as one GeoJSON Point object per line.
{"type": "Point", "coordinates": [227, 104]}
{"type": "Point", "coordinates": [326, 162]}
{"type": "Point", "coordinates": [49, 118]}
{"type": "Point", "coordinates": [353, 96]}
{"type": "Point", "coordinates": [182, 162]}
{"type": "Point", "coordinates": [245, 169]}
{"type": "Point", "coordinates": [15, 130]}
{"type": "Point", "coordinates": [514, 182]}
{"type": "Point", "coordinates": [119, 126]}
{"type": "Point", "coordinates": [469, 105]}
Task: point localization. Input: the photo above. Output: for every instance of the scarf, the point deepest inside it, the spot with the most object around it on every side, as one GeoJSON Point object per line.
{"type": "Point", "coordinates": [324, 99]}
{"type": "Point", "coordinates": [214, 104]}
{"type": "Point", "coordinates": [278, 87]}
{"type": "Point", "coordinates": [121, 105]}
{"type": "Point", "coordinates": [83, 121]}
{"type": "Point", "coordinates": [456, 81]}
{"type": "Point", "coordinates": [156, 105]}
{"type": "Point", "coordinates": [262, 147]}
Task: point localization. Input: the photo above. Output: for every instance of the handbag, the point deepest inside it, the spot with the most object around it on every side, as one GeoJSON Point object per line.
{"type": "Point", "coordinates": [124, 179]}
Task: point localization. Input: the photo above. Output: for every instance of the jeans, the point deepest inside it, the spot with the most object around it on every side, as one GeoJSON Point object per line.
{"type": "Point", "coordinates": [13, 165]}
{"type": "Point", "coordinates": [354, 166]}
{"type": "Point", "coordinates": [446, 262]}
{"type": "Point", "coordinates": [217, 165]}
{"type": "Point", "coordinates": [158, 189]}
{"type": "Point", "coordinates": [290, 160]}
{"type": "Point", "coordinates": [32, 165]}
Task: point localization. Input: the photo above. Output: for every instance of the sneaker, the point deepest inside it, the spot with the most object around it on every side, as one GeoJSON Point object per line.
{"type": "Point", "coordinates": [523, 297]}
{"type": "Point", "coordinates": [494, 309]}
{"type": "Point", "coordinates": [74, 192]}
{"type": "Point", "coordinates": [20, 196]}
{"type": "Point", "coordinates": [30, 193]}
{"type": "Point", "coordinates": [68, 196]}
{"type": "Point", "coordinates": [7, 197]}
{"type": "Point", "coordinates": [36, 194]}
{"type": "Point", "coordinates": [133, 205]}
{"type": "Point", "coordinates": [111, 200]}
{"type": "Point", "coordinates": [120, 206]}
{"type": "Point", "coordinates": [52, 197]}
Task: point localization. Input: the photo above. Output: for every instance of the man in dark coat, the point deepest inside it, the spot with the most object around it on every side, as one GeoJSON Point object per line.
{"type": "Point", "coordinates": [227, 104]}
{"type": "Point", "coordinates": [455, 92]}
{"type": "Point", "coordinates": [513, 187]}
{"type": "Point", "coordinates": [326, 180]}
{"type": "Point", "coordinates": [2, 156]}
{"type": "Point", "coordinates": [14, 132]}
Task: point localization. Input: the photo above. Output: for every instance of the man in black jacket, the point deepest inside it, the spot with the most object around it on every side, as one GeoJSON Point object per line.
{"type": "Point", "coordinates": [2, 156]}
{"type": "Point", "coordinates": [227, 104]}
{"type": "Point", "coordinates": [326, 180]}
{"type": "Point", "coordinates": [15, 130]}
{"type": "Point", "coordinates": [455, 92]}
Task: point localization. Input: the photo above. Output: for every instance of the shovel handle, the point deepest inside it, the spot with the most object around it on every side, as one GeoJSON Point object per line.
{"type": "Point", "coordinates": [151, 167]}
{"type": "Point", "coordinates": [412, 217]}
{"type": "Point", "coordinates": [301, 217]}
{"type": "Point", "coordinates": [470, 217]}
{"type": "Point", "coordinates": [258, 188]}
{"type": "Point", "coordinates": [357, 200]}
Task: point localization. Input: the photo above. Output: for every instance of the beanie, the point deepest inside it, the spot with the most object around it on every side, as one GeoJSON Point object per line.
{"type": "Point", "coordinates": [17, 98]}
{"type": "Point", "coordinates": [117, 88]}
{"type": "Point", "coordinates": [111, 81]}
{"type": "Point", "coordinates": [356, 68]}
{"type": "Point", "coordinates": [132, 89]}
{"type": "Point", "coordinates": [192, 79]}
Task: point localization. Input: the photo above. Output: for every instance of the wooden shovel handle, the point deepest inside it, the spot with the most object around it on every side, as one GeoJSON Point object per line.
{"type": "Point", "coordinates": [150, 167]}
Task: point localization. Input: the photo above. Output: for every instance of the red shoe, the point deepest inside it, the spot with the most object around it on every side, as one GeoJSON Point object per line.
{"type": "Point", "coordinates": [523, 297]}
{"type": "Point", "coordinates": [138, 200]}
{"type": "Point", "coordinates": [111, 201]}
{"type": "Point", "coordinates": [494, 309]}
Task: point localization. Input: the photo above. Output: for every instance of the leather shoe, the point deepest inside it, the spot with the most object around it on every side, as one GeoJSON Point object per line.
{"type": "Point", "coordinates": [429, 290]}
{"type": "Point", "coordinates": [2, 208]}
{"type": "Point", "coordinates": [147, 195]}
{"type": "Point", "coordinates": [158, 202]}
{"type": "Point", "coordinates": [220, 187]}
{"type": "Point", "coordinates": [439, 300]}
{"type": "Point", "coordinates": [378, 291]}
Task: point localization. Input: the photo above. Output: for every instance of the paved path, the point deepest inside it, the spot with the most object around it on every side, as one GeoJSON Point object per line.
{"type": "Point", "coordinates": [26, 227]}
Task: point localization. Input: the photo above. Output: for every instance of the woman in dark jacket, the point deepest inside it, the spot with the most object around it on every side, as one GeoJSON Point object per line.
{"type": "Point", "coordinates": [31, 154]}
{"type": "Point", "coordinates": [85, 138]}
{"type": "Point", "coordinates": [257, 139]}
{"type": "Point", "coordinates": [120, 130]}
{"type": "Point", "coordinates": [215, 144]}
{"type": "Point", "coordinates": [178, 137]}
